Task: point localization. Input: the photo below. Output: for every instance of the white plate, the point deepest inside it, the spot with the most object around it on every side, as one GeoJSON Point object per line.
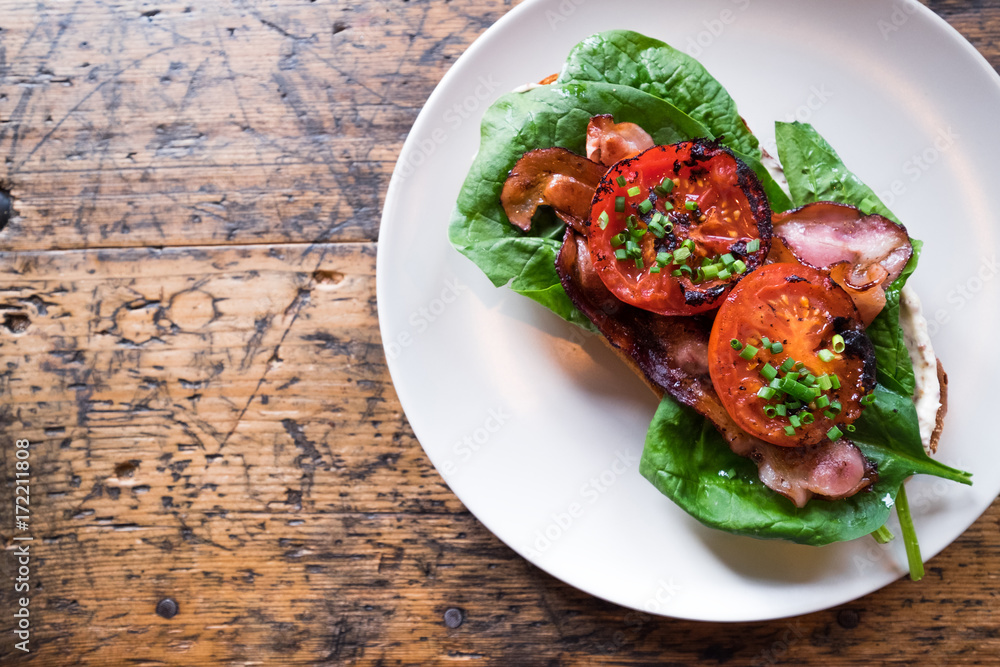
{"type": "Point", "coordinates": [538, 429]}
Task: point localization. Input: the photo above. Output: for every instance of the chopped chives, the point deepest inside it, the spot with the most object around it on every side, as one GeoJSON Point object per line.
{"type": "Point", "coordinates": [776, 383]}
{"type": "Point", "coordinates": [657, 230]}
{"type": "Point", "coordinates": [868, 400]}
{"type": "Point", "coordinates": [655, 268]}
{"type": "Point", "coordinates": [665, 186]}
{"type": "Point", "coordinates": [770, 411]}
{"type": "Point", "coordinates": [603, 219]}
{"type": "Point", "coordinates": [766, 342]}
{"type": "Point", "coordinates": [794, 420]}
{"type": "Point", "coordinates": [645, 205]}
{"type": "Point", "coordinates": [667, 206]}
{"type": "Point", "coordinates": [836, 406]}
{"type": "Point", "coordinates": [663, 257]}
{"type": "Point", "coordinates": [681, 254]}
{"type": "Point", "coordinates": [634, 191]}
{"type": "Point", "coordinates": [753, 246]}
{"type": "Point", "coordinates": [619, 204]}
{"type": "Point", "coordinates": [835, 381]}
{"type": "Point", "coordinates": [789, 430]}
{"type": "Point", "coordinates": [838, 344]}
{"type": "Point", "coordinates": [791, 376]}
{"type": "Point", "coordinates": [711, 271]}
{"type": "Point", "coordinates": [796, 390]}
{"type": "Point", "coordinates": [829, 415]}
{"type": "Point", "coordinates": [724, 274]}
{"type": "Point", "coordinates": [748, 352]}
{"type": "Point", "coordinates": [777, 347]}
{"type": "Point", "coordinates": [621, 181]}
{"type": "Point", "coordinates": [676, 273]}
{"type": "Point", "coordinates": [826, 356]}
{"type": "Point", "coordinates": [766, 393]}
{"type": "Point", "coordinates": [822, 401]}
{"type": "Point", "coordinates": [787, 365]}
{"type": "Point", "coordinates": [769, 372]}
{"type": "Point", "coordinates": [639, 264]}
{"type": "Point", "coordinates": [781, 409]}
{"type": "Point", "coordinates": [687, 243]}
{"type": "Point", "coordinates": [793, 405]}
{"type": "Point", "coordinates": [850, 428]}
{"type": "Point", "coordinates": [668, 227]}
{"type": "Point", "coordinates": [807, 418]}
{"type": "Point", "coordinates": [728, 259]}
{"type": "Point", "coordinates": [739, 266]}
{"type": "Point", "coordinates": [834, 434]}
{"type": "Point", "coordinates": [824, 382]}
{"type": "Point", "coordinates": [883, 535]}
{"type": "Point", "coordinates": [621, 254]}
{"type": "Point", "coordinates": [618, 239]}
{"type": "Point", "coordinates": [736, 345]}
{"type": "Point", "coordinates": [690, 204]}
{"type": "Point", "coordinates": [809, 379]}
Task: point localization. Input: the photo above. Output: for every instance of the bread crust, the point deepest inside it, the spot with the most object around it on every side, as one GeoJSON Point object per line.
{"type": "Point", "coordinates": [942, 409]}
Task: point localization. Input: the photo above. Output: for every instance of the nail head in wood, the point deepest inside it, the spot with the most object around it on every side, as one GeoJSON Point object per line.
{"type": "Point", "coordinates": [453, 617]}
{"type": "Point", "coordinates": [167, 608]}
{"type": "Point", "coordinates": [848, 619]}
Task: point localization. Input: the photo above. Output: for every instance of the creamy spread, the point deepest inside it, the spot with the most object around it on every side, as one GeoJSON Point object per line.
{"type": "Point", "coordinates": [526, 87]}
{"type": "Point", "coordinates": [927, 397]}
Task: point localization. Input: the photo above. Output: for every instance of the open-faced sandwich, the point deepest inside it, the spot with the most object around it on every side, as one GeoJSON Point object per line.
{"type": "Point", "coordinates": [798, 387]}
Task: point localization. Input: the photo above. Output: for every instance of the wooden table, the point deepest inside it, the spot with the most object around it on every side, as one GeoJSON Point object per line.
{"type": "Point", "coordinates": [220, 470]}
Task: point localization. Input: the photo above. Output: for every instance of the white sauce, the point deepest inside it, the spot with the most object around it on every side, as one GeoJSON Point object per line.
{"type": "Point", "coordinates": [526, 87]}
{"type": "Point", "coordinates": [927, 397]}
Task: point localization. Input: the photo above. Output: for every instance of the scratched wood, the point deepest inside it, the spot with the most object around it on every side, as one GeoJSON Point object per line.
{"type": "Point", "coordinates": [174, 123]}
{"type": "Point", "coordinates": [188, 336]}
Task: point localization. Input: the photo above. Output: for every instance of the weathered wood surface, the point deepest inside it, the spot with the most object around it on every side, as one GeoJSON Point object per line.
{"type": "Point", "coordinates": [188, 336]}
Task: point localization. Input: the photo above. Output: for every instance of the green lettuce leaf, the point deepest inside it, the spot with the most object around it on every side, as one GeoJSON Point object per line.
{"type": "Point", "coordinates": [632, 59]}
{"type": "Point", "coordinates": [687, 459]}
{"type": "Point", "coordinates": [553, 115]}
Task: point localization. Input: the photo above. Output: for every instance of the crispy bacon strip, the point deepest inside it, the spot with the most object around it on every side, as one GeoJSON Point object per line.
{"type": "Point", "coordinates": [552, 177]}
{"type": "Point", "coordinates": [608, 141]}
{"type": "Point", "coordinates": [672, 354]}
{"type": "Point", "coordinates": [863, 253]}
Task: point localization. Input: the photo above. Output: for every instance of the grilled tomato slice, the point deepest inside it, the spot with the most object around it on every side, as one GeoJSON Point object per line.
{"type": "Point", "coordinates": [789, 356]}
{"type": "Point", "coordinates": [672, 229]}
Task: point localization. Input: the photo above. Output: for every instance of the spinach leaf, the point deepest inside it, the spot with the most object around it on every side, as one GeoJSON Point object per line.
{"type": "Point", "coordinates": [890, 426]}
{"type": "Point", "coordinates": [632, 59]}
{"type": "Point", "coordinates": [816, 173]}
{"type": "Point", "coordinates": [553, 115]}
{"type": "Point", "coordinates": [687, 459]}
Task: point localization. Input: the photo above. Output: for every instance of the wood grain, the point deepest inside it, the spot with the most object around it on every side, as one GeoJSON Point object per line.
{"type": "Point", "coordinates": [189, 338]}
